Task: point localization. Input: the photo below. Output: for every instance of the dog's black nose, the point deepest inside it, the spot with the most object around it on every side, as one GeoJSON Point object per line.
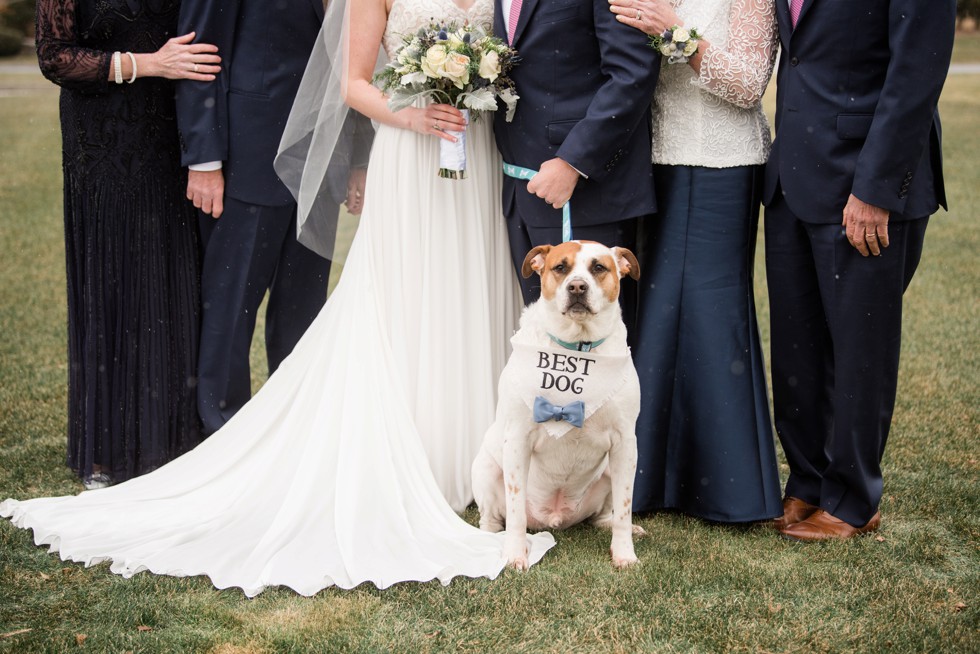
{"type": "Point", "coordinates": [577, 287]}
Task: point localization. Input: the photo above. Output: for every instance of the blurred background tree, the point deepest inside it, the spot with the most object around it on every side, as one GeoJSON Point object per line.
{"type": "Point", "coordinates": [968, 11]}
{"type": "Point", "coordinates": [16, 24]}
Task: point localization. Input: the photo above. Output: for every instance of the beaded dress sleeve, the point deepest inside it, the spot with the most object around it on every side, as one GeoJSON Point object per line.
{"type": "Point", "coordinates": [63, 58]}
{"type": "Point", "coordinates": [739, 72]}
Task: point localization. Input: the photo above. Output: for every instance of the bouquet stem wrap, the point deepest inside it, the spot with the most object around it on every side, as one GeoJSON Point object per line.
{"type": "Point", "coordinates": [452, 156]}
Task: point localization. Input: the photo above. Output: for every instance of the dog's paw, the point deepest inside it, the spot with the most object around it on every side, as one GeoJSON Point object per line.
{"type": "Point", "coordinates": [517, 557]}
{"type": "Point", "coordinates": [623, 562]}
{"type": "Point", "coordinates": [520, 563]}
{"type": "Point", "coordinates": [493, 526]}
{"type": "Point", "coordinates": [639, 531]}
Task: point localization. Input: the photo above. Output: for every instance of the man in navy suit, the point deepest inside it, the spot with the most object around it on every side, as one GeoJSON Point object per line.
{"type": "Point", "coordinates": [230, 132]}
{"type": "Point", "coordinates": [586, 82]}
{"type": "Point", "coordinates": [854, 174]}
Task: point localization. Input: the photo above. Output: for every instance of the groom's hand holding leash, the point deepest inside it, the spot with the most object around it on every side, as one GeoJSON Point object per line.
{"type": "Point", "coordinates": [554, 183]}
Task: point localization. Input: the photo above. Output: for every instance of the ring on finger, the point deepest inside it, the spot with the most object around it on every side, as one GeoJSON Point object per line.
{"type": "Point", "coordinates": [639, 15]}
{"type": "Point", "coordinates": [868, 235]}
{"type": "Point", "coordinates": [195, 67]}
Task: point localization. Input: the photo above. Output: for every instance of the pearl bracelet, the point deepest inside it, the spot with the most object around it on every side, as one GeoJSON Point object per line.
{"type": "Point", "coordinates": [132, 58]}
{"type": "Point", "coordinates": [117, 66]}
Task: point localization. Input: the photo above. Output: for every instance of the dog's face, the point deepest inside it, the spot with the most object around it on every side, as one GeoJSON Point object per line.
{"type": "Point", "coordinates": [581, 278]}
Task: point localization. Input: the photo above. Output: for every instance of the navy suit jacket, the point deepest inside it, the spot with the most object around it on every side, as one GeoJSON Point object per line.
{"type": "Point", "coordinates": [586, 82]}
{"type": "Point", "coordinates": [240, 117]}
{"type": "Point", "coordinates": [857, 89]}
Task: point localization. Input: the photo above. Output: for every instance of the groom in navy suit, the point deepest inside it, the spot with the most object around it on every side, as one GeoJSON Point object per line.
{"type": "Point", "coordinates": [230, 131]}
{"type": "Point", "coordinates": [585, 83]}
{"type": "Point", "coordinates": [854, 174]}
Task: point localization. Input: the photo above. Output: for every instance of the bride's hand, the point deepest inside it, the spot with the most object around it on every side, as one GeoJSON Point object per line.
{"type": "Point", "coordinates": [437, 119]}
{"type": "Point", "coordinates": [650, 16]}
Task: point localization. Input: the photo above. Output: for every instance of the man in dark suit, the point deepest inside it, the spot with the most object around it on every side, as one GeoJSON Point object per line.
{"type": "Point", "coordinates": [230, 132]}
{"type": "Point", "coordinates": [586, 82]}
{"type": "Point", "coordinates": [854, 174]}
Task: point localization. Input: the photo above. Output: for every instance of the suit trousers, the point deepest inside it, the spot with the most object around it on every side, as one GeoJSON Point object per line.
{"type": "Point", "coordinates": [836, 327]}
{"type": "Point", "coordinates": [249, 250]}
{"type": "Point", "coordinates": [524, 237]}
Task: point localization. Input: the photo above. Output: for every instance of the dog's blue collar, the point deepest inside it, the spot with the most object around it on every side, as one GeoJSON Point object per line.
{"type": "Point", "coordinates": [579, 346]}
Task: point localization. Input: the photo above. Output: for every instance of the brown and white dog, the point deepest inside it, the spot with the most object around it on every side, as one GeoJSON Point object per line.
{"type": "Point", "coordinates": [524, 476]}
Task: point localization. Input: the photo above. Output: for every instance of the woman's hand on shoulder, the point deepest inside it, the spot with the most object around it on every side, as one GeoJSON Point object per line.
{"type": "Point", "coordinates": [180, 58]}
{"type": "Point", "coordinates": [437, 120]}
{"type": "Point", "coordinates": [650, 16]}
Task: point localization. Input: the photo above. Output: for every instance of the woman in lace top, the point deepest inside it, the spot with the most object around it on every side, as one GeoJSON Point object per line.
{"type": "Point", "coordinates": [131, 236]}
{"type": "Point", "coordinates": [705, 437]}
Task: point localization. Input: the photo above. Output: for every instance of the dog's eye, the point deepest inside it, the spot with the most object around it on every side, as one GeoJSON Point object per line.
{"type": "Point", "coordinates": [561, 269]}
{"type": "Point", "coordinates": [598, 268]}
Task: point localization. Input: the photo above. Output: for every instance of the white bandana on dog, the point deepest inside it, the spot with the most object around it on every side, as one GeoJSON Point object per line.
{"type": "Point", "coordinates": [563, 377]}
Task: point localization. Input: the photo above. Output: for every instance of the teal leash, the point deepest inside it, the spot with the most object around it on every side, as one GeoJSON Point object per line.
{"type": "Point", "coordinates": [519, 172]}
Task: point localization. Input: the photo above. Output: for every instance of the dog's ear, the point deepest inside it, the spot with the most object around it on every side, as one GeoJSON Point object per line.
{"type": "Point", "coordinates": [627, 263]}
{"type": "Point", "coordinates": [534, 261]}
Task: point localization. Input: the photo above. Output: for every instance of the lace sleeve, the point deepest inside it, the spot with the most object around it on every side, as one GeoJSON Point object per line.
{"type": "Point", "coordinates": [740, 72]}
{"type": "Point", "coordinates": [62, 59]}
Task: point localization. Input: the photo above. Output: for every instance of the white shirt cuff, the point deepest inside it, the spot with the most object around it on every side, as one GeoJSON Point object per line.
{"type": "Point", "coordinates": [205, 167]}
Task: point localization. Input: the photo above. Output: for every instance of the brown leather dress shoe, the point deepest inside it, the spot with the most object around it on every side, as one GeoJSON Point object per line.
{"type": "Point", "coordinates": [823, 526]}
{"type": "Point", "coordinates": [794, 510]}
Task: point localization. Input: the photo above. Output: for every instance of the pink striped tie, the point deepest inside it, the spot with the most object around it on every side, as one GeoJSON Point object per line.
{"type": "Point", "coordinates": [794, 10]}
{"type": "Point", "coordinates": [515, 13]}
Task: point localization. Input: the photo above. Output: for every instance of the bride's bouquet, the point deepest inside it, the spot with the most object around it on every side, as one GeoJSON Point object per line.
{"type": "Point", "coordinates": [462, 66]}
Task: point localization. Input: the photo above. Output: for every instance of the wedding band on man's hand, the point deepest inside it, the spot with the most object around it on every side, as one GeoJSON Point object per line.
{"type": "Point", "coordinates": [195, 68]}
{"type": "Point", "coordinates": [639, 15]}
{"type": "Point", "coordinates": [870, 235]}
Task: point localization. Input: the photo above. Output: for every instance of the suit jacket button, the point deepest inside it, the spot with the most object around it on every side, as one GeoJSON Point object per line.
{"type": "Point", "coordinates": [794, 61]}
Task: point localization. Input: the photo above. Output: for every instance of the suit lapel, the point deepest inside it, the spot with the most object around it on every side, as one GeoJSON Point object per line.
{"type": "Point", "coordinates": [499, 26]}
{"type": "Point", "coordinates": [319, 8]}
{"type": "Point", "coordinates": [527, 9]}
{"type": "Point", "coordinates": [785, 22]}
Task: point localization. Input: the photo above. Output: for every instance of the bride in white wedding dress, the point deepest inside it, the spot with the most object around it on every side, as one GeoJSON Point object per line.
{"type": "Point", "coordinates": [339, 470]}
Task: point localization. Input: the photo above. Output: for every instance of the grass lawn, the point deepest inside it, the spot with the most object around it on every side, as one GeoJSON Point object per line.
{"type": "Point", "coordinates": [966, 47]}
{"type": "Point", "coordinates": [700, 587]}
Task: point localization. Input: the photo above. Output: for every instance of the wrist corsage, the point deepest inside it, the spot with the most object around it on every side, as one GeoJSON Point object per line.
{"type": "Point", "coordinates": [676, 43]}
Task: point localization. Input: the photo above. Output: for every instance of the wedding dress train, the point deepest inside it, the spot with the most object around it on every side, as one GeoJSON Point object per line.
{"type": "Point", "coordinates": [338, 471]}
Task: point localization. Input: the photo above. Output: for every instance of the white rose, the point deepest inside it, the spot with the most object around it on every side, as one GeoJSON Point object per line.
{"type": "Point", "coordinates": [490, 65]}
{"type": "Point", "coordinates": [457, 69]}
{"type": "Point", "coordinates": [690, 48]}
{"type": "Point", "coordinates": [434, 61]}
{"type": "Point", "coordinates": [454, 41]}
{"type": "Point", "coordinates": [681, 35]}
